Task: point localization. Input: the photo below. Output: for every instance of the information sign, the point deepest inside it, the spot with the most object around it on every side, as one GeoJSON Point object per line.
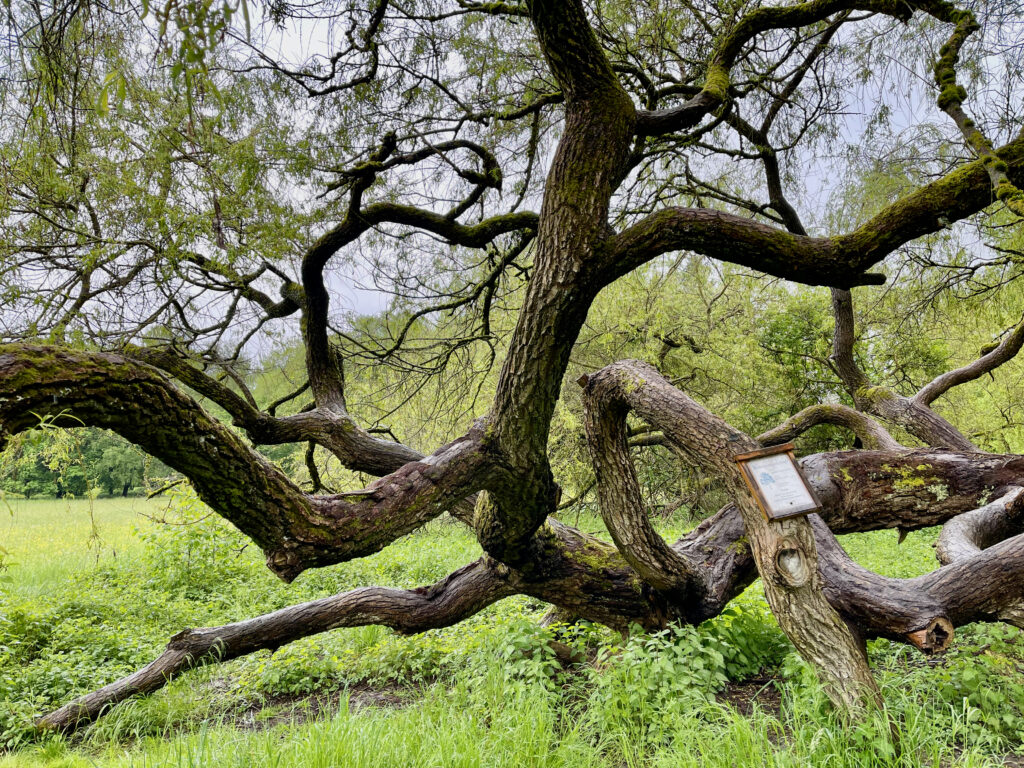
{"type": "Point", "coordinates": [777, 483]}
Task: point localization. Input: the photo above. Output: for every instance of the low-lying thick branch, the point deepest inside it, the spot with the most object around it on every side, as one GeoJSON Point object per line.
{"type": "Point", "coordinates": [968, 534]}
{"type": "Point", "coordinates": [784, 550]}
{"type": "Point", "coordinates": [621, 506]}
{"type": "Point", "coordinates": [459, 595]}
{"type": "Point", "coordinates": [589, 578]}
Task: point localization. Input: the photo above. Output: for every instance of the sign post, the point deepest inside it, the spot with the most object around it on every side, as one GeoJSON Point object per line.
{"type": "Point", "coordinates": [776, 482]}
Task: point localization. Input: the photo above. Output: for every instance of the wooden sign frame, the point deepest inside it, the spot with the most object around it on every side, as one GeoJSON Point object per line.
{"type": "Point", "coordinates": [768, 510]}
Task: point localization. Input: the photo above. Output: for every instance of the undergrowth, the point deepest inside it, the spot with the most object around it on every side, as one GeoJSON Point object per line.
{"type": "Point", "coordinates": [490, 691]}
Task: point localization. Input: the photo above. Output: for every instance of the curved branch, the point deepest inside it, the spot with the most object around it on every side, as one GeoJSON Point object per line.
{"type": "Point", "coordinates": [877, 606]}
{"type": "Point", "coordinates": [1005, 351]}
{"type": "Point", "coordinates": [985, 587]}
{"type": "Point", "coordinates": [339, 433]}
{"type": "Point", "coordinates": [619, 493]}
{"type": "Point", "coordinates": [287, 305]}
{"type": "Point", "coordinates": [872, 434]}
{"type": "Point", "coordinates": [784, 550]}
{"type": "Point", "coordinates": [454, 232]}
{"type": "Point", "coordinates": [322, 363]}
{"type": "Point", "coordinates": [837, 261]}
{"type": "Point", "coordinates": [969, 533]}
{"type": "Point", "coordinates": [106, 390]}
{"type": "Point", "coordinates": [459, 595]}
{"type": "Point", "coordinates": [716, 83]}
{"type": "Point", "coordinates": [952, 96]}
{"type": "Point", "coordinates": [295, 530]}
{"type": "Point", "coordinates": [976, 584]}
{"type": "Point", "coordinates": [910, 413]}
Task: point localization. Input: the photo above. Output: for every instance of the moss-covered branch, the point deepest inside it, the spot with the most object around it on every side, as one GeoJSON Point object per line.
{"type": "Point", "coordinates": [952, 96]}
{"type": "Point", "coordinates": [295, 530]}
{"type": "Point", "coordinates": [872, 434]}
{"type": "Point", "coordinates": [840, 260]}
{"type": "Point", "coordinates": [715, 90]}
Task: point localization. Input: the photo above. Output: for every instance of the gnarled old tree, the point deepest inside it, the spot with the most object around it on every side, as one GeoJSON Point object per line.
{"type": "Point", "coordinates": [158, 220]}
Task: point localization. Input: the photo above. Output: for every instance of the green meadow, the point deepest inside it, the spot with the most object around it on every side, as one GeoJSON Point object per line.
{"type": "Point", "coordinates": [49, 542]}
{"type": "Point", "coordinates": [92, 591]}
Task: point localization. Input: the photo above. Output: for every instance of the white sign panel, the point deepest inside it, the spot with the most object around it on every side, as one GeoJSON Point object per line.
{"type": "Point", "coordinates": [780, 484]}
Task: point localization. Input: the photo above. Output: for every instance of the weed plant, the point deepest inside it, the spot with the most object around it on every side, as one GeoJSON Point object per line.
{"type": "Point", "coordinates": [488, 692]}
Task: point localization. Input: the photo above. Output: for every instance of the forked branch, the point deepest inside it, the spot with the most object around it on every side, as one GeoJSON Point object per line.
{"type": "Point", "coordinates": [784, 550]}
{"type": "Point", "coordinates": [912, 414]}
{"type": "Point", "coordinates": [295, 530]}
{"type": "Point", "coordinates": [1005, 351]}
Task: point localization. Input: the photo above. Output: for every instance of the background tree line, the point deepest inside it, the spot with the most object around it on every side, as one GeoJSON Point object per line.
{"type": "Point", "coordinates": [77, 464]}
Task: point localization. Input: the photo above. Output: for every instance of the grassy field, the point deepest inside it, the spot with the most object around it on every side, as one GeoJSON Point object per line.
{"type": "Point", "coordinates": [488, 692]}
{"type": "Point", "coordinates": [52, 541]}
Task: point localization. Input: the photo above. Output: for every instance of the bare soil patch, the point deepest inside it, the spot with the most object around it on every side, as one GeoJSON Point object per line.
{"type": "Point", "coordinates": [754, 692]}
{"type": "Point", "coordinates": [294, 710]}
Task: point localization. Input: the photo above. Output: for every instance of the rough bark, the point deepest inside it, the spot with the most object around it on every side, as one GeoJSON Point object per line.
{"type": "Point", "coordinates": [913, 414]}
{"type": "Point", "coordinates": [824, 602]}
{"type": "Point", "coordinates": [872, 434]}
{"type": "Point", "coordinates": [457, 596]}
{"type": "Point", "coordinates": [294, 529]}
{"type": "Point", "coordinates": [587, 166]}
{"type": "Point", "coordinates": [784, 550]}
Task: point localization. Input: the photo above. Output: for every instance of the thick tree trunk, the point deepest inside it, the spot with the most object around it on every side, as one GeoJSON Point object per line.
{"type": "Point", "coordinates": [784, 551]}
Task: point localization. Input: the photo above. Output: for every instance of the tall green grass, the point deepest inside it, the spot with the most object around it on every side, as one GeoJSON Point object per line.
{"type": "Point", "coordinates": [48, 542]}
{"type": "Point", "coordinates": [487, 692]}
{"type": "Point", "coordinates": [478, 723]}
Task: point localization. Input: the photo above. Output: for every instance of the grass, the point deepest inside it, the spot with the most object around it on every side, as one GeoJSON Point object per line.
{"type": "Point", "coordinates": [50, 541]}
{"type": "Point", "coordinates": [483, 726]}
{"type": "Point", "coordinates": [483, 693]}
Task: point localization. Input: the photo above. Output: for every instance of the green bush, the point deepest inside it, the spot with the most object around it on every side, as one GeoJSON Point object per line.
{"type": "Point", "coordinates": [195, 553]}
